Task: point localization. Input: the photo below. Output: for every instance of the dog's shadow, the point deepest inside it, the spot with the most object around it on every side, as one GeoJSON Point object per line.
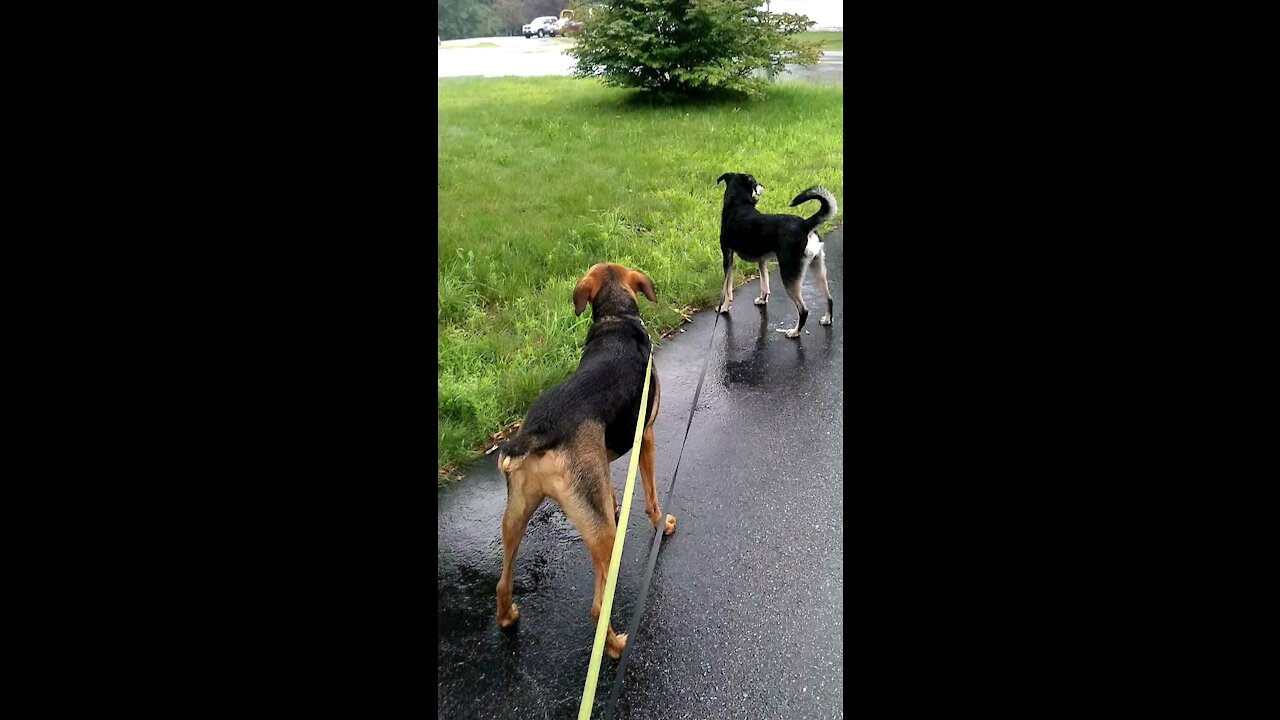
{"type": "Point", "coordinates": [746, 365]}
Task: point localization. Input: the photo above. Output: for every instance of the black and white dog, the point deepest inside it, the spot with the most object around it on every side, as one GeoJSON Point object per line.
{"type": "Point", "coordinates": [759, 238]}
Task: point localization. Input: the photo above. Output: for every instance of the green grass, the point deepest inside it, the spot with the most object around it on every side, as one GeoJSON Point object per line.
{"type": "Point", "coordinates": [539, 178]}
{"type": "Point", "coordinates": [829, 40]}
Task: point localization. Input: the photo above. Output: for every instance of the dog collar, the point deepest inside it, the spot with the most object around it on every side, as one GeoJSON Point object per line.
{"type": "Point", "coordinates": [637, 318]}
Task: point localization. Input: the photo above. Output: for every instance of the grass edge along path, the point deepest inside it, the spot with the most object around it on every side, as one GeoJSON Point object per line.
{"type": "Point", "coordinates": [449, 473]}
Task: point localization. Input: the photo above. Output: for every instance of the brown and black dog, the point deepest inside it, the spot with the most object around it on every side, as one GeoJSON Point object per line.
{"type": "Point", "coordinates": [575, 429]}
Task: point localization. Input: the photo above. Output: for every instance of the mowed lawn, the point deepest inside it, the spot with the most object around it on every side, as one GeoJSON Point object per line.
{"type": "Point", "coordinates": [539, 178]}
{"type": "Point", "coordinates": [829, 40]}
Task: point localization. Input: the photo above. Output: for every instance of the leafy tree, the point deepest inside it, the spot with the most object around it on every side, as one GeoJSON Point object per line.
{"type": "Point", "coordinates": [512, 14]}
{"type": "Point", "coordinates": [689, 47]}
{"type": "Point", "coordinates": [538, 8]}
{"type": "Point", "coordinates": [465, 18]}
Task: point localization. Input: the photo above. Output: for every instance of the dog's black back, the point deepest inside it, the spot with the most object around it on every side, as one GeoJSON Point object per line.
{"type": "Point", "coordinates": [755, 235]}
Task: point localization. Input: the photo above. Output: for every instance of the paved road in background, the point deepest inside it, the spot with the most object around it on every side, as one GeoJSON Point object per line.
{"type": "Point", "coordinates": [744, 616]}
{"type": "Point", "coordinates": [828, 71]}
{"type": "Point", "coordinates": [513, 56]}
{"type": "Point", "coordinates": [545, 56]}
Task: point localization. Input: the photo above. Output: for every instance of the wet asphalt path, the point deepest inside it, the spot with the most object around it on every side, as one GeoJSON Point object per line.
{"type": "Point", "coordinates": [829, 70]}
{"type": "Point", "coordinates": [744, 615]}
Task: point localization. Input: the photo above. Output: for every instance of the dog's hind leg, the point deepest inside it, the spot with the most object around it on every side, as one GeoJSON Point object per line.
{"type": "Point", "coordinates": [764, 284]}
{"type": "Point", "coordinates": [819, 267]}
{"type": "Point", "coordinates": [600, 543]}
{"type": "Point", "coordinates": [598, 531]}
{"type": "Point", "coordinates": [793, 280]}
{"type": "Point", "coordinates": [586, 501]}
{"type": "Point", "coordinates": [611, 456]}
{"type": "Point", "coordinates": [523, 497]}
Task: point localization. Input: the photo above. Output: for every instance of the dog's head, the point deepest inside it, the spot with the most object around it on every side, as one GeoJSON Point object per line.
{"type": "Point", "coordinates": [740, 186]}
{"type": "Point", "coordinates": [611, 289]}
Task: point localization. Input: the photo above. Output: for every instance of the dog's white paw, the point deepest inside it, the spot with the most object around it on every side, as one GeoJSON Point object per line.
{"type": "Point", "coordinates": [725, 308]}
{"type": "Point", "coordinates": [826, 320]}
{"type": "Point", "coordinates": [761, 301]}
{"type": "Point", "coordinates": [790, 333]}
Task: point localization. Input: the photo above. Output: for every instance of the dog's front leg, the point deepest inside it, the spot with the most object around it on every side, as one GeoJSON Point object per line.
{"type": "Point", "coordinates": [764, 284]}
{"type": "Point", "coordinates": [650, 491]}
{"type": "Point", "coordinates": [727, 295]}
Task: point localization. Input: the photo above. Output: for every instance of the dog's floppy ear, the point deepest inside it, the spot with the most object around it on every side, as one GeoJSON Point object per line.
{"type": "Point", "coordinates": [722, 178]}
{"type": "Point", "coordinates": [585, 291]}
{"type": "Point", "coordinates": [639, 282]}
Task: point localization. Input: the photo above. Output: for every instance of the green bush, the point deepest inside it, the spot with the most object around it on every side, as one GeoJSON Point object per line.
{"type": "Point", "coordinates": [682, 48]}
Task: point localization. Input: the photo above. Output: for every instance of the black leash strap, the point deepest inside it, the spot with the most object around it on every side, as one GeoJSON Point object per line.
{"type": "Point", "coordinates": [634, 627]}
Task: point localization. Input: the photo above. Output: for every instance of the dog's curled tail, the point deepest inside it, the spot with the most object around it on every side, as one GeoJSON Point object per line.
{"type": "Point", "coordinates": [825, 213]}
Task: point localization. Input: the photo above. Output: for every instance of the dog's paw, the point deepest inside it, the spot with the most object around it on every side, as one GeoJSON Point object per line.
{"type": "Point", "coordinates": [510, 618]}
{"type": "Point", "coordinates": [725, 308]}
{"type": "Point", "coordinates": [792, 333]}
{"type": "Point", "coordinates": [761, 301]}
{"type": "Point", "coordinates": [615, 650]}
{"type": "Point", "coordinates": [670, 525]}
{"type": "Point", "coordinates": [826, 320]}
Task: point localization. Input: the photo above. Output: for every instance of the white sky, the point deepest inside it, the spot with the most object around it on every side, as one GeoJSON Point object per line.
{"type": "Point", "coordinates": [826, 13]}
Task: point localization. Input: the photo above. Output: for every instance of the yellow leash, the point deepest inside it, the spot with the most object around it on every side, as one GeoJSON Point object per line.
{"type": "Point", "coordinates": [606, 605]}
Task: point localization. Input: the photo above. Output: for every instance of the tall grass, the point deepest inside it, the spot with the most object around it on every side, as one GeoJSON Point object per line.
{"type": "Point", "coordinates": [539, 178]}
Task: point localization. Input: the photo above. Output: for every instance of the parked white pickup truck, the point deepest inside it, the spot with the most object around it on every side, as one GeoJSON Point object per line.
{"type": "Point", "coordinates": [542, 27]}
